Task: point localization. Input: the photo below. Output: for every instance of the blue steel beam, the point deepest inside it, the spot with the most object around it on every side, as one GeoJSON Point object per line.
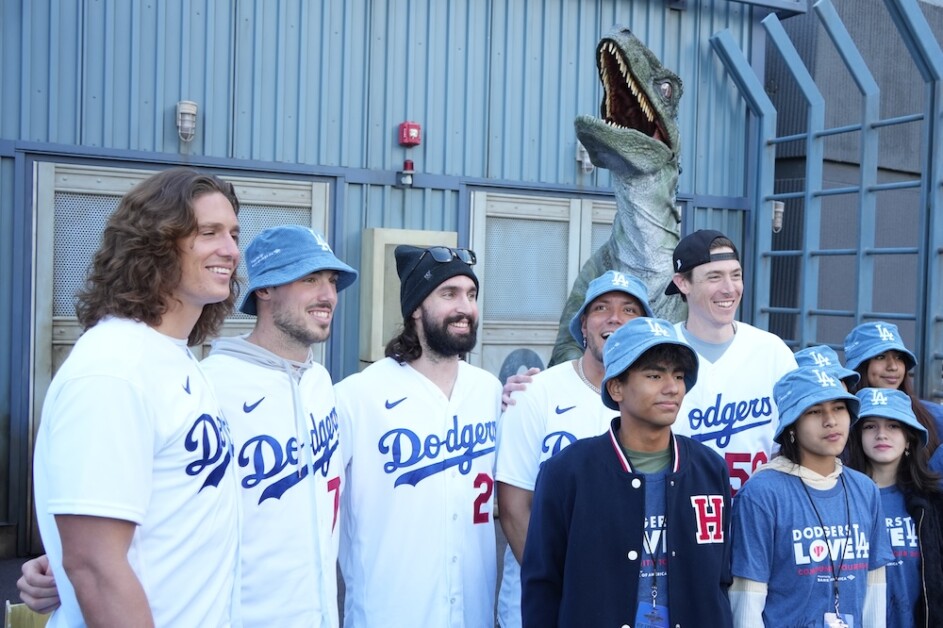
{"type": "Point", "coordinates": [926, 53]}
{"type": "Point", "coordinates": [868, 159]}
{"type": "Point", "coordinates": [762, 108]}
{"type": "Point", "coordinates": [811, 201]}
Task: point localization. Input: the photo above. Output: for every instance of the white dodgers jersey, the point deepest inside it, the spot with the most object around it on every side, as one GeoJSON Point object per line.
{"type": "Point", "coordinates": [417, 534]}
{"type": "Point", "coordinates": [289, 470]}
{"type": "Point", "coordinates": [731, 408]}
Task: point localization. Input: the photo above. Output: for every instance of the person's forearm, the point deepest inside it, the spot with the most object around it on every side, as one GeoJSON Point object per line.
{"type": "Point", "coordinates": [747, 601]}
{"type": "Point", "coordinates": [95, 559]}
{"type": "Point", "coordinates": [515, 530]}
{"type": "Point", "coordinates": [110, 595]}
{"type": "Point", "coordinates": [875, 600]}
{"type": "Point", "coordinates": [514, 506]}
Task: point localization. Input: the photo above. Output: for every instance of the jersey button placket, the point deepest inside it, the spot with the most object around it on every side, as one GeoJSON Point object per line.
{"type": "Point", "coordinates": [455, 526]}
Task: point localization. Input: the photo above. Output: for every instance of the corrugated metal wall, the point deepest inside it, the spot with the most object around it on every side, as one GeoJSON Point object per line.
{"type": "Point", "coordinates": [496, 84]}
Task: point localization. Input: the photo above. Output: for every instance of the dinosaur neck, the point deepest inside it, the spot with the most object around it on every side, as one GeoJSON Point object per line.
{"type": "Point", "coordinates": [645, 204]}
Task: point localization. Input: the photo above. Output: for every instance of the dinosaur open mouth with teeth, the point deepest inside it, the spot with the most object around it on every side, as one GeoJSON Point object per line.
{"type": "Point", "coordinates": [625, 104]}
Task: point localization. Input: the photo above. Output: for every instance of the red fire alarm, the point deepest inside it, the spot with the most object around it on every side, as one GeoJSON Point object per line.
{"type": "Point", "coordinates": [410, 134]}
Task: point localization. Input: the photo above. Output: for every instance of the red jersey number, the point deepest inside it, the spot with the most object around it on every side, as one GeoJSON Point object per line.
{"type": "Point", "coordinates": [482, 481]}
{"type": "Point", "coordinates": [741, 467]}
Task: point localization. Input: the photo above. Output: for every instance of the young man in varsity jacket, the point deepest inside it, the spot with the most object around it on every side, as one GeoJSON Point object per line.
{"type": "Point", "coordinates": [632, 527]}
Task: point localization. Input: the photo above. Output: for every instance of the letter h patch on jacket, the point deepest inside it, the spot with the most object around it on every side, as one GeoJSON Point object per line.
{"type": "Point", "coordinates": [709, 513]}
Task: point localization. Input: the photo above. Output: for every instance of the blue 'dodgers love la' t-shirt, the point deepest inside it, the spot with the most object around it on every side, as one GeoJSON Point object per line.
{"type": "Point", "coordinates": [778, 539]}
{"type": "Point", "coordinates": [903, 574]}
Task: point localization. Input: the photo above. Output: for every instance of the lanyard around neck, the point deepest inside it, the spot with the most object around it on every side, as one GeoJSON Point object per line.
{"type": "Point", "coordinates": [831, 561]}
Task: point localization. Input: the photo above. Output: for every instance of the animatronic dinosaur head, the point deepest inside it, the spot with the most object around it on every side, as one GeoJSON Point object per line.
{"type": "Point", "coordinates": [638, 129]}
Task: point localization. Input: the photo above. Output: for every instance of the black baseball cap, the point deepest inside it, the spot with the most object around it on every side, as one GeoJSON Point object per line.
{"type": "Point", "coordinates": [694, 250]}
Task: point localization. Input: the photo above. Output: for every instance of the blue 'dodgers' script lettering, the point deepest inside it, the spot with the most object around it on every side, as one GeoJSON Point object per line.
{"type": "Point", "coordinates": [729, 419]}
{"type": "Point", "coordinates": [555, 442]}
{"type": "Point", "coordinates": [265, 457]}
{"type": "Point", "coordinates": [407, 449]}
{"type": "Point", "coordinates": [209, 437]}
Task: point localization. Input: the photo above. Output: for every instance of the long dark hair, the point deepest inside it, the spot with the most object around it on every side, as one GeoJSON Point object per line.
{"type": "Point", "coordinates": [789, 448]}
{"type": "Point", "coordinates": [923, 415]}
{"type": "Point", "coordinates": [137, 266]}
{"type": "Point", "coordinates": [913, 471]}
{"type": "Point", "coordinates": [405, 346]}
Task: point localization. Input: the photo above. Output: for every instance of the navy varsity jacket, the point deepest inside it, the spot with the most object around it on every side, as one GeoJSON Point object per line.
{"type": "Point", "coordinates": [584, 543]}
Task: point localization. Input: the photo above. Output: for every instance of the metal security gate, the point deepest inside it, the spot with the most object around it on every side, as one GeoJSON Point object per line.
{"type": "Point", "coordinates": [860, 240]}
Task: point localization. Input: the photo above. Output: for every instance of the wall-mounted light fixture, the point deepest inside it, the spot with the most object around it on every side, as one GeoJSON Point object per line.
{"type": "Point", "coordinates": [186, 119]}
{"type": "Point", "coordinates": [779, 209]}
{"type": "Point", "coordinates": [404, 178]}
{"type": "Point", "coordinates": [582, 156]}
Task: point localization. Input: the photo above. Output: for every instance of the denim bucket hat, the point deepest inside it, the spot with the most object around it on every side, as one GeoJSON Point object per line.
{"type": "Point", "coordinates": [870, 339]}
{"type": "Point", "coordinates": [610, 281]}
{"type": "Point", "coordinates": [886, 403]}
{"type": "Point", "coordinates": [825, 357]}
{"type": "Point", "coordinates": [801, 388]}
{"type": "Point", "coordinates": [284, 254]}
{"type": "Point", "coordinates": [630, 341]}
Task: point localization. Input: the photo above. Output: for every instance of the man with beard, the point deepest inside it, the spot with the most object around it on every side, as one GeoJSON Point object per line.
{"type": "Point", "coordinates": [561, 405]}
{"type": "Point", "coordinates": [280, 406]}
{"type": "Point", "coordinates": [417, 539]}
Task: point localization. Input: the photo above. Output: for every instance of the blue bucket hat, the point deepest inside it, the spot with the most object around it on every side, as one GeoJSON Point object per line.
{"type": "Point", "coordinates": [610, 281]}
{"type": "Point", "coordinates": [629, 342]}
{"type": "Point", "coordinates": [825, 357]}
{"type": "Point", "coordinates": [284, 254]}
{"type": "Point", "coordinates": [870, 339]}
{"type": "Point", "coordinates": [801, 388]}
{"type": "Point", "coordinates": [887, 403]}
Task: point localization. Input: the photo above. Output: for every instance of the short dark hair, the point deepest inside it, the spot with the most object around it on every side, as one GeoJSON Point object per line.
{"type": "Point", "coordinates": [718, 243]}
{"type": "Point", "coordinates": [137, 266]}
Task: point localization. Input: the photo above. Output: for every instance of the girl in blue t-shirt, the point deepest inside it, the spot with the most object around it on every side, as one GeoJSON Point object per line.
{"type": "Point", "coordinates": [809, 544]}
{"type": "Point", "coordinates": [888, 443]}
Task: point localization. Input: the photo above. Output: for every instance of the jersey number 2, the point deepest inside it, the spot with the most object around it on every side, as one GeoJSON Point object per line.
{"type": "Point", "coordinates": [482, 480]}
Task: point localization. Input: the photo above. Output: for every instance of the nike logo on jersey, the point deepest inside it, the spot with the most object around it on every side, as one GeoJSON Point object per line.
{"type": "Point", "coordinates": [566, 409]}
{"type": "Point", "coordinates": [247, 408]}
{"type": "Point", "coordinates": [392, 404]}
{"type": "Point", "coordinates": [186, 387]}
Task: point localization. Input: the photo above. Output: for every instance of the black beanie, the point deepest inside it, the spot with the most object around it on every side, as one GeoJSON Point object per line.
{"type": "Point", "coordinates": [420, 274]}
